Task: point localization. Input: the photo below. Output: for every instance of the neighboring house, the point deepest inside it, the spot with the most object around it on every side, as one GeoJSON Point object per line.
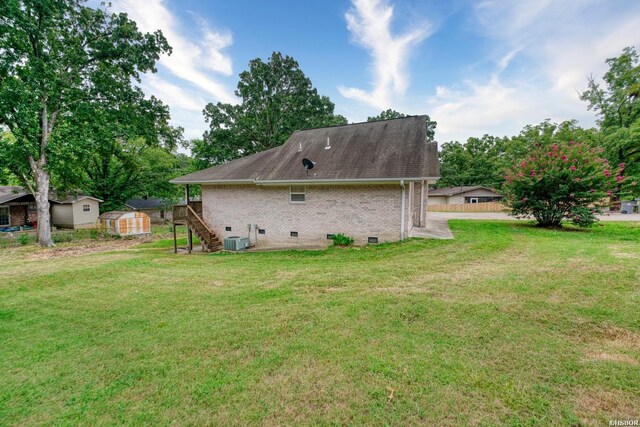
{"type": "Point", "coordinates": [368, 181]}
{"type": "Point", "coordinates": [463, 194]}
{"type": "Point", "coordinates": [18, 208]}
{"type": "Point", "coordinates": [158, 210]}
{"type": "Point", "coordinates": [75, 212]}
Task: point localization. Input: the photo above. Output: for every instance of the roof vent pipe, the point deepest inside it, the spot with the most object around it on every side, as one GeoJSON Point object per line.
{"type": "Point", "coordinates": [300, 148]}
{"type": "Point", "coordinates": [328, 144]}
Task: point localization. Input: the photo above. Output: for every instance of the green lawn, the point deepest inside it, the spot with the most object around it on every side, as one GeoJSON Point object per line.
{"type": "Point", "coordinates": [507, 324]}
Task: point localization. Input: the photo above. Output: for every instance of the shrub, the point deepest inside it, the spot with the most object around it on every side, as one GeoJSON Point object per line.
{"type": "Point", "coordinates": [23, 239]}
{"type": "Point", "coordinates": [558, 181]}
{"type": "Point", "coordinates": [342, 240]}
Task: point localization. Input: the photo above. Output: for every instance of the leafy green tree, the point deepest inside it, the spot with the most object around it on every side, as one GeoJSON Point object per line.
{"type": "Point", "coordinates": [61, 58]}
{"type": "Point", "coordinates": [105, 147]}
{"type": "Point", "coordinates": [276, 100]}
{"type": "Point", "coordinates": [157, 167]}
{"type": "Point", "coordinates": [386, 115]}
{"type": "Point", "coordinates": [617, 105]}
{"type": "Point", "coordinates": [481, 161]}
{"type": "Point", "coordinates": [484, 161]}
{"type": "Point", "coordinates": [6, 176]}
{"type": "Point", "coordinates": [559, 180]}
{"type": "Point", "coordinates": [393, 114]}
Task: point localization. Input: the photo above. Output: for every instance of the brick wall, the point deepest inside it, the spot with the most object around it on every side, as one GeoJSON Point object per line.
{"type": "Point", "coordinates": [357, 211]}
{"type": "Point", "coordinates": [18, 213]}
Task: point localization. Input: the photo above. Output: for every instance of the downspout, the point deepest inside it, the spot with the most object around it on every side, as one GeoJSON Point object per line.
{"type": "Point", "coordinates": [402, 211]}
{"type": "Point", "coordinates": [422, 204]}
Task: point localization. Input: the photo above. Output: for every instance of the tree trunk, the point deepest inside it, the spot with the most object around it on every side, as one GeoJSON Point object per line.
{"type": "Point", "coordinates": [41, 195]}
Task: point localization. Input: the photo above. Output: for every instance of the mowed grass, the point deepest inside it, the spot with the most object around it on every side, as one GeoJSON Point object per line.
{"type": "Point", "coordinates": [508, 324]}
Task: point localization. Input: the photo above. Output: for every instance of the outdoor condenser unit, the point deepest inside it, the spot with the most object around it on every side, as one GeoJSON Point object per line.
{"type": "Point", "coordinates": [235, 243]}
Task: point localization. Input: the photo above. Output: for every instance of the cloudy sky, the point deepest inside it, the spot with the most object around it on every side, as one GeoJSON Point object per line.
{"type": "Point", "coordinates": [475, 67]}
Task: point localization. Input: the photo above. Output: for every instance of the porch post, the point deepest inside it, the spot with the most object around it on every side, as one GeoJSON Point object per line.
{"type": "Point", "coordinates": [186, 194]}
{"type": "Point", "coordinates": [175, 240]}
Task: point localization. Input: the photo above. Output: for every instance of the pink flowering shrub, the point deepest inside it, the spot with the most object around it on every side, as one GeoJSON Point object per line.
{"type": "Point", "coordinates": [566, 180]}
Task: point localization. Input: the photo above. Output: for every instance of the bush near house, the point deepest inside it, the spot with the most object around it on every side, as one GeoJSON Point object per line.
{"type": "Point", "coordinates": [341, 240]}
{"type": "Point", "coordinates": [561, 180]}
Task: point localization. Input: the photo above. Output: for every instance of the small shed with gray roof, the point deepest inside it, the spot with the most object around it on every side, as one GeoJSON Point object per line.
{"type": "Point", "coordinates": [366, 180]}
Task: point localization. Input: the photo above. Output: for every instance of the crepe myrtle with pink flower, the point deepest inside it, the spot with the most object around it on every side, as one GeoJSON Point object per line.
{"type": "Point", "coordinates": [562, 180]}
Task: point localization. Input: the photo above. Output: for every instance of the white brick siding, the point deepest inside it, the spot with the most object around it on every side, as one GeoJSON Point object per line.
{"type": "Point", "coordinates": [358, 211]}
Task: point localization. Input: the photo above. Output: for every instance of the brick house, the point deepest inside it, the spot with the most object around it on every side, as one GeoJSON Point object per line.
{"type": "Point", "coordinates": [366, 180]}
{"type": "Point", "coordinates": [18, 209]}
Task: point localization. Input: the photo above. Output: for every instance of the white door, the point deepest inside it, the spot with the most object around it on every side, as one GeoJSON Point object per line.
{"type": "Point", "coordinates": [4, 215]}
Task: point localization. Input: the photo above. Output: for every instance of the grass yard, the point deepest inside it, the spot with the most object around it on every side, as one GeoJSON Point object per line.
{"type": "Point", "coordinates": [507, 324]}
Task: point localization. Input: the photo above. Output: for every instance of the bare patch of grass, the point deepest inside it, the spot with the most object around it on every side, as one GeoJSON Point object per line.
{"type": "Point", "coordinates": [597, 406]}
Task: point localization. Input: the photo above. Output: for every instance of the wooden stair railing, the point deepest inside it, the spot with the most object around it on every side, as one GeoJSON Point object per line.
{"type": "Point", "coordinates": [209, 239]}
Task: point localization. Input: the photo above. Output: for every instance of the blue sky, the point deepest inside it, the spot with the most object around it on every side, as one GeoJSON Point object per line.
{"type": "Point", "coordinates": [475, 67]}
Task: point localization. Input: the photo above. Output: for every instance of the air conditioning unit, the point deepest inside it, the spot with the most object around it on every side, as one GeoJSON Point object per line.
{"type": "Point", "coordinates": [235, 243]}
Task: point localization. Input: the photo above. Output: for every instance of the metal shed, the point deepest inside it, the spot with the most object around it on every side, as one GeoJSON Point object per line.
{"type": "Point", "coordinates": [125, 223]}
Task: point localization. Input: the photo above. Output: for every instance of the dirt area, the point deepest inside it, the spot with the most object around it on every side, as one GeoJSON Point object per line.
{"type": "Point", "coordinates": [85, 247]}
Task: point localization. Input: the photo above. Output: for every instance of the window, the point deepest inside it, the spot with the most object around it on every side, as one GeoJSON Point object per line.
{"type": "Point", "coordinates": [32, 208]}
{"type": "Point", "coordinates": [473, 200]}
{"type": "Point", "coordinates": [162, 214]}
{"type": "Point", "coordinates": [294, 234]}
{"type": "Point", "coordinates": [4, 215]}
{"type": "Point", "coordinates": [297, 194]}
{"type": "Point", "coordinates": [227, 229]}
{"type": "Point", "coordinates": [86, 208]}
{"type": "Point", "coordinates": [262, 231]}
{"type": "Point", "coordinates": [372, 240]}
{"type": "Point", "coordinates": [329, 236]}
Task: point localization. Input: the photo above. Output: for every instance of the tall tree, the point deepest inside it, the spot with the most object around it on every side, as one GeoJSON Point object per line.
{"type": "Point", "coordinates": [484, 161]}
{"type": "Point", "coordinates": [60, 58]}
{"type": "Point", "coordinates": [480, 161]}
{"type": "Point", "coordinates": [276, 100]}
{"type": "Point", "coordinates": [386, 115]}
{"type": "Point", "coordinates": [393, 114]}
{"type": "Point", "coordinates": [617, 105]}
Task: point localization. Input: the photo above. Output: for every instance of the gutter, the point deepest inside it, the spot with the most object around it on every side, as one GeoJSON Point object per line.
{"type": "Point", "coordinates": [305, 181]}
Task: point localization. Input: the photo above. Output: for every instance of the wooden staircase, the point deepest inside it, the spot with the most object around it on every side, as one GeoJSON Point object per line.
{"type": "Point", "coordinates": [190, 215]}
{"type": "Point", "coordinates": [209, 240]}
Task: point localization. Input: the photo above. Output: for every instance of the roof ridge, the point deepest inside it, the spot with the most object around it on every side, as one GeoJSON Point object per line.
{"type": "Point", "coordinates": [362, 123]}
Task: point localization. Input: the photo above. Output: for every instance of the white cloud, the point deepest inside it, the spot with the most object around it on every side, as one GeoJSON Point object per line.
{"type": "Point", "coordinates": [192, 61]}
{"type": "Point", "coordinates": [171, 94]}
{"type": "Point", "coordinates": [559, 44]}
{"type": "Point", "coordinates": [369, 22]}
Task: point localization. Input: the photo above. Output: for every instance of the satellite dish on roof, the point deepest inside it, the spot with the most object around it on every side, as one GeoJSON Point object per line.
{"type": "Point", "coordinates": [308, 164]}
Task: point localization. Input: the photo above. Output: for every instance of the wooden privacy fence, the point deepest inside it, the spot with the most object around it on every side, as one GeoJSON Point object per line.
{"type": "Point", "coordinates": [468, 207]}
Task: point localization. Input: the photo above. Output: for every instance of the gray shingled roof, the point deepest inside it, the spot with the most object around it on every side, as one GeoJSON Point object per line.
{"type": "Point", "coordinates": [390, 149]}
{"type": "Point", "coordinates": [148, 203]}
{"type": "Point", "coordinates": [452, 191]}
{"type": "Point", "coordinates": [9, 193]}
